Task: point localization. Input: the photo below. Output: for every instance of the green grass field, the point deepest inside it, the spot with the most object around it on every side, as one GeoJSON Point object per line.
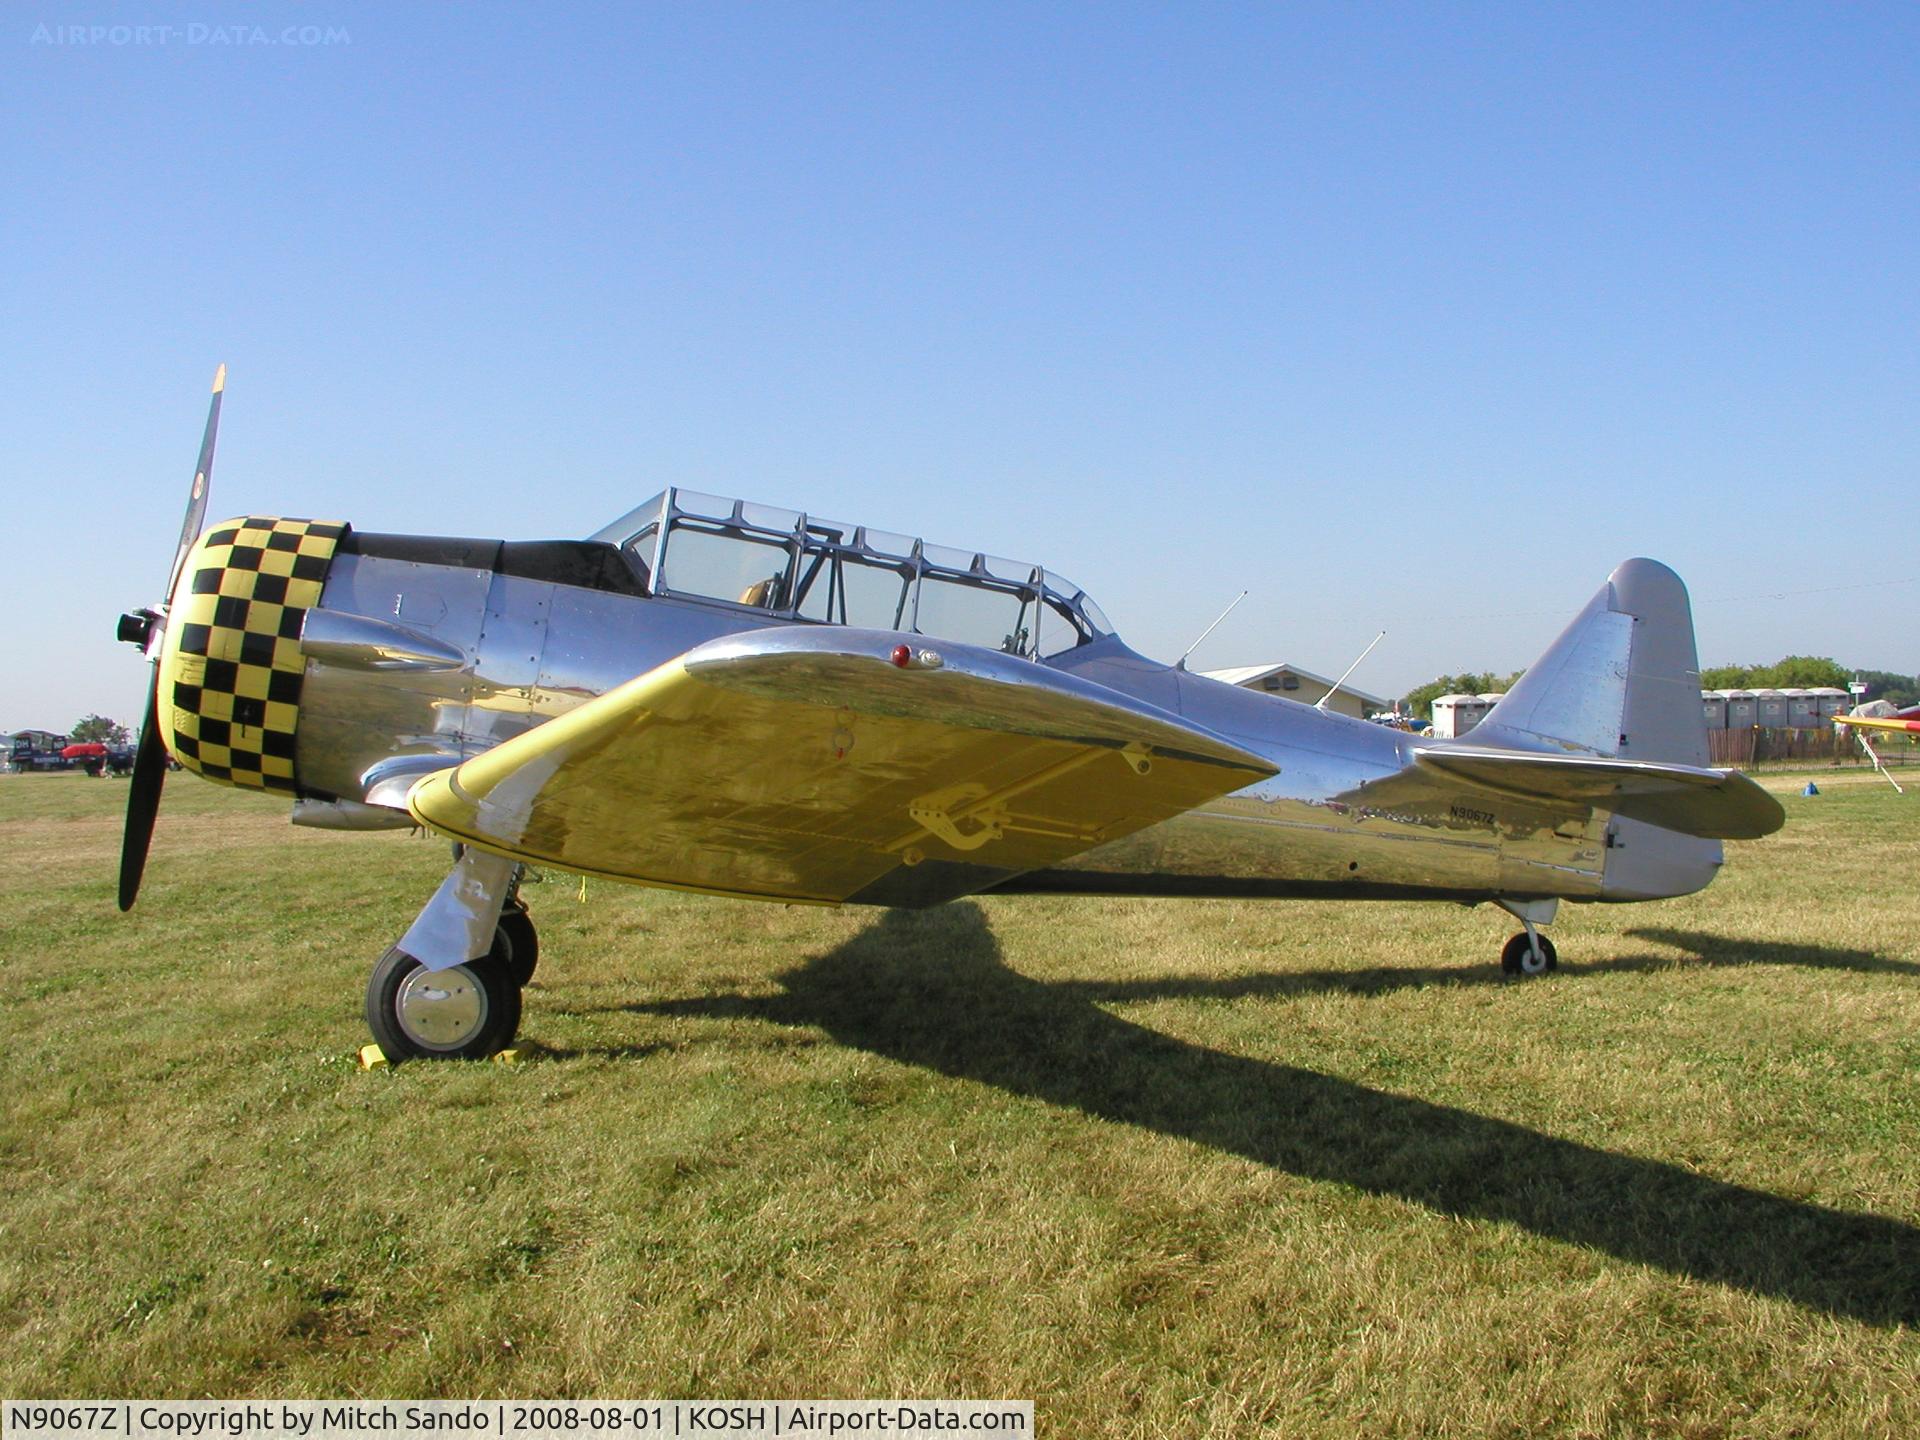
{"type": "Point", "coordinates": [1165, 1167]}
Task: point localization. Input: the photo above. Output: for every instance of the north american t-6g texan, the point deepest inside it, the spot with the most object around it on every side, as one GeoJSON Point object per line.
{"type": "Point", "coordinates": [723, 697]}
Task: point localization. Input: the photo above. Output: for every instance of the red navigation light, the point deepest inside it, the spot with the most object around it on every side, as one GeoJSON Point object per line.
{"type": "Point", "coordinates": [902, 656]}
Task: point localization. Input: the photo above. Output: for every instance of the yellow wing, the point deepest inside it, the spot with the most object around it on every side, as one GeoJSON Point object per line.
{"type": "Point", "coordinates": [1880, 722]}
{"type": "Point", "coordinates": [803, 763]}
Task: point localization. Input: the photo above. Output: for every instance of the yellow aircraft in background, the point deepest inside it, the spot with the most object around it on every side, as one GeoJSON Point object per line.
{"type": "Point", "coordinates": [1907, 721]}
{"type": "Point", "coordinates": [1900, 722]}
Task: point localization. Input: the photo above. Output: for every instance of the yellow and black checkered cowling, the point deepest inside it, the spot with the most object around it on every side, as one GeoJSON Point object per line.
{"type": "Point", "coordinates": [230, 667]}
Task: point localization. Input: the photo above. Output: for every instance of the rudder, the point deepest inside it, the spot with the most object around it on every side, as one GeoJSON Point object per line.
{"type": "Point", "coordinates": [1623, 679]}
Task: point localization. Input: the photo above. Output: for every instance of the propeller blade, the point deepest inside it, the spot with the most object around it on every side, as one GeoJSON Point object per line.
{"type": "Point", "coordinates": [202, 476]}
{"type": "Point", "coordinates": [150, 759]}
{"type": "Point", "coordinates": [143, 797]}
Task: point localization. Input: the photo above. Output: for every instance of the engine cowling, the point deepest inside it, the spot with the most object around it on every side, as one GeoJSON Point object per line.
{"type": "Point", "coordinates": [231, 666]}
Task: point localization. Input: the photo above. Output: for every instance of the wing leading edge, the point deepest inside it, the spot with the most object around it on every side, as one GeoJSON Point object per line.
{"type": "Point", "coordinates": [801, 763]}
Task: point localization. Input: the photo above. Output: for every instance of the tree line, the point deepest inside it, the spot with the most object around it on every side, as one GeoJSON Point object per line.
{"type": "Point", "coordinates": [100, 728]}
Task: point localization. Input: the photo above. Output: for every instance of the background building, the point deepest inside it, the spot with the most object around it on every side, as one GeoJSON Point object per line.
{"type": "Point", "coordinates": [1290, 682]}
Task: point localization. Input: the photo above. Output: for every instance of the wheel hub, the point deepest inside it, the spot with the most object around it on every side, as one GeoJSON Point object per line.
{"type": "Point", "coordinates": [441, 1009]}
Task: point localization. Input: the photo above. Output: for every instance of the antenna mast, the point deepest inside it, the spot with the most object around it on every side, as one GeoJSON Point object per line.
{"type": "Point", "coordinates": [1321, 703]}
{"type": "Point", "coordinates": [1181, 663]}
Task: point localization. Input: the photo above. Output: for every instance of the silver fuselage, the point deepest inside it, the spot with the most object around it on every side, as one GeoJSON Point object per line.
{"type": "Point", "coordinates": [479, 656]}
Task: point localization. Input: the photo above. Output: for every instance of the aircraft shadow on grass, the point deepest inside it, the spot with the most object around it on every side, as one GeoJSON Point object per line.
{"type": "Point", "coordinates": [929, 988]}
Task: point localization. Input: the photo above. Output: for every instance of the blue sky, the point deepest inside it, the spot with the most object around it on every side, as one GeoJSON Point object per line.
{"type": "Point", "coordinates": [1412, 316]}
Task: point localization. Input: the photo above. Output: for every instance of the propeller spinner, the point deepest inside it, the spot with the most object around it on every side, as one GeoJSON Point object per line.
{"type": "Point", "coordinates": [144, 628]}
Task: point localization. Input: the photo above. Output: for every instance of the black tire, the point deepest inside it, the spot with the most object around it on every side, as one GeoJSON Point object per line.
{"type": "Point", "coordinates": [465, 1012]}
{"type": "Point", "coordinates": [521, 941]}
{"type": "Point", "coordinates": [1517, 957]}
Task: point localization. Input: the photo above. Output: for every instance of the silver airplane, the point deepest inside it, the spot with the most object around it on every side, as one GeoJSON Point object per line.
{"type": "Point", "coordinates": [723, 697]}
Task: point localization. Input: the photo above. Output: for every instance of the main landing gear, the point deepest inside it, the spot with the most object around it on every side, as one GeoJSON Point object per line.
{"type": "Point", "coordinates": [458, 1008]}
{"type": "Point", "coordinates": [465, 1012]}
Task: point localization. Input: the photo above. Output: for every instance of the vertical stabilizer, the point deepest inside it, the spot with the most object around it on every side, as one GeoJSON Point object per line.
{"type": "Point", "coordinates": [1622, 680]}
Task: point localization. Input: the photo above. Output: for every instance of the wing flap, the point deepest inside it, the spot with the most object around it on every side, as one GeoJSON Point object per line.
{"type": "Point", "coordinates": [801, 763]}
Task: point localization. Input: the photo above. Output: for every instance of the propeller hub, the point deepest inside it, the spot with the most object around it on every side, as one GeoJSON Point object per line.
{"type": "Point", "coordinates": [136, 628]}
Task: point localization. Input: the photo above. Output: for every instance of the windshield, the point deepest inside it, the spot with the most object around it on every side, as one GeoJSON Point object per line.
{"type": "Point", "coordinates": [800, 567]}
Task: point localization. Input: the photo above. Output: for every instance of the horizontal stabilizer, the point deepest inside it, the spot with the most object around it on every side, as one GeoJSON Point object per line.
{"type": "Point", "coordinates": [1694, 800]}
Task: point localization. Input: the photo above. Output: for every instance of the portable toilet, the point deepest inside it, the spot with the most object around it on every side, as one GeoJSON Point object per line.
{"type": "Point", "coordinates": [1803, 708]}
{"type": "Point", "coordinates": [1471, 710]}
{"type": "Point", "coordinates": [1713, 708]}
{"type": "Point", "coordinates": [1770, 708]}
{"type": "Point", "coordinates": [1455, 715]}
{"type": "Point", "coordinates": [1832, 701]}
{"type": "Point", "coordinates": [1743, 709]}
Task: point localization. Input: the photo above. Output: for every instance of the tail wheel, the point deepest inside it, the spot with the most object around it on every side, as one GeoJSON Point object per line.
{"type": "Point", "coordinates": [521, 940]}
{"type": "Point", "coordinates": [1518, 957]}
{"type": "Point", "coordinates": [465, 1012]}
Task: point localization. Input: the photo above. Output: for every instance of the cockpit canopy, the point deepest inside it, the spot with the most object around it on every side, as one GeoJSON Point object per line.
{"type": "Point", "coordinates": [796, 567]}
